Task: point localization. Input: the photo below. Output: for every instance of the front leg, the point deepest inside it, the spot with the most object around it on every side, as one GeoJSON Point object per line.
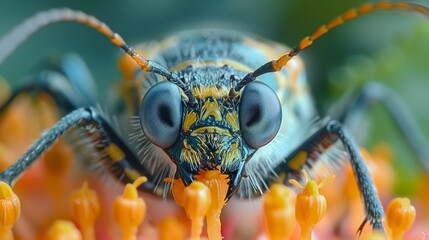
{"type": "Point", "coordinates": [305, 156]}
{"type": "Point", "coordinates": [116, 156]}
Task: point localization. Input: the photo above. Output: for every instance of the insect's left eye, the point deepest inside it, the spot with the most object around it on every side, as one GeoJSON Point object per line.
{"type": "Point", "coordinates": [260, 114]}
{"type": "Point", "coordinates": [161, 114]}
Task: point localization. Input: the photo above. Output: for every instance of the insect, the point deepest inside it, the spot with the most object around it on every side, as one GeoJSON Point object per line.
{"type": "Point", "coordinates": [207, 100]}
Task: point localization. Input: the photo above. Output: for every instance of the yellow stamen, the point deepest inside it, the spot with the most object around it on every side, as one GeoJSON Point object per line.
{"type": "Point", "coordinates": [10, 210]}
{"type": "Point", "coordinates": [400, 216]}
{"type": "Point", "coordinates": [85, 208]}
{"type": "Point", "coordinates": [62, 229]}
{"type": "Point", "coordinates": [279, 209]}
{"type": "Point", "coordinates": [129, 210]}
{"type": "Point", "coordinates": [296, 184]}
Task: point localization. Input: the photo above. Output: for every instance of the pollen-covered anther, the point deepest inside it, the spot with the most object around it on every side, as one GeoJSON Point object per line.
{"type": "Point", "coordinates": [197, 200]}
{"type": "Point", "coordinates": [85, 208]}
{"type": "Point", "coordinates": [129, 209]}
{"type": "Point", "coordinates": [310, 206]}
{"type": "Point", "coordinates": [10, 210]}
{"type": "Point", "coordinates": [279, 209]}
{"type": "Point", "coordinates": [400, 217]}
{"type": "Point", "coordinates": [62, 229]}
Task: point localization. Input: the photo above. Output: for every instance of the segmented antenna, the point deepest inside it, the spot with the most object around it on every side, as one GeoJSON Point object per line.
{"type": "Point", "coordinates": [277, 65]}
{"type": "Point", "coordinates": [20, 33]}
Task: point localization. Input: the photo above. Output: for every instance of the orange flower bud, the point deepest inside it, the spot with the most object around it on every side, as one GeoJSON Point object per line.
{"type": "Point", "coordinates": [197, 200]}
{"type": "Point", "coordinates": [400, 216]}
{"type": "Point", "coordinates": [10, 210]}
{"type": "Point", "coordinates": [310, 205]}
{"type": "Point", "coordinates": [279, 209]}
{"type": "Point", "coordinates": [129, 209]}
{"type": "Point", "coordinates": [63, 230]}
{"type": "Point", "coordinates": [85, 208]}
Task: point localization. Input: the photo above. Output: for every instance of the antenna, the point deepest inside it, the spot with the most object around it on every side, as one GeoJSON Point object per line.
{"type": "Point", "coordinates": [12, 40]}
{"type": "Point", "coordinates": [277, 65]}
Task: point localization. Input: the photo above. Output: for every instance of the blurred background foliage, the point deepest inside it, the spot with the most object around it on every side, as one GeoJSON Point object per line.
{"type": "Point", "coordinates": [388, 47]}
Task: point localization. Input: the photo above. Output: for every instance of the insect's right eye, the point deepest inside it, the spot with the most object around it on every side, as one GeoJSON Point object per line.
{"type": "Point", "coordinates": [161, 114]}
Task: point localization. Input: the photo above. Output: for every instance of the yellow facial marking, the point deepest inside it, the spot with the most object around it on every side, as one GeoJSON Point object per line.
{"type": "Point", "coordinates": [232, 119]}
{"type": "Point", "coordinates": [211, 109]}
{"type": "Point", "coordinates": [298, 160]}
{"type": "Point", "coordinates": [190, 118]}
{"type": "Point", "coordinates": [211, 129]}
{"type": "Point", "coordinates": [114, 152]}
{"type": "Point", "coordinates": [210, 91]}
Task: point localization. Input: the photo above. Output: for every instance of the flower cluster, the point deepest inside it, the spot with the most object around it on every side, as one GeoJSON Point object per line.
{"type": "Point", "coordinates": [44, 203]}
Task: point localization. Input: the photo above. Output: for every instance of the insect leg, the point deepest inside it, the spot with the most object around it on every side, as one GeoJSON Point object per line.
{"type": "Point", "coordinates": [374, 92]}
{"type": "Point", "coordinates": [116, 155]}
{"type": "Point", "coordinates": [307, 153]}
{"type": "Point", "coordinates": [14, 38]}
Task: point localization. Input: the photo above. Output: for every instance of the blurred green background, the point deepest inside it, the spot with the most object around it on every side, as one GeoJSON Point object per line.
{"type": "Point", "coordinates": [389, 47]}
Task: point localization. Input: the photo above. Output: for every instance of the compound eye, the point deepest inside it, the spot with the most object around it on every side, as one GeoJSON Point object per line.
{"type": "Point", "coordinates": [161, 114]}
{"type": "Point", "coordinates": [260, 114]}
